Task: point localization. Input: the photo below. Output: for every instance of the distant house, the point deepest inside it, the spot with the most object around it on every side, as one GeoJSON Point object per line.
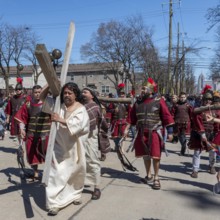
{"type": "Point", "coordinates": [26, 74]}
{"type": "Point", "coordinates": [98, 76]}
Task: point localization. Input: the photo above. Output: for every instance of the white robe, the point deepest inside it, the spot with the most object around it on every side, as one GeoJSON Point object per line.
{"type": "Point", "coordinates": [68, 168]}
{"type": "Point", "coordinates": [93, 166]}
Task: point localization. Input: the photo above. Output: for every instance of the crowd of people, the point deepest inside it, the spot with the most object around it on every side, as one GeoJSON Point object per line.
{"type": "Point", "coordinates": [84, 126]}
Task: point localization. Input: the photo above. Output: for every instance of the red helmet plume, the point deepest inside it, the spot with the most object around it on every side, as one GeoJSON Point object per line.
{"type": "Point", "coordinates": [121, 86]}
{"type": "Point", "coordinates": [151, 84]}
{"type": "Point", "coordinates": [206, 88]}
{"type": "Point", "coordinates": [19, 80]}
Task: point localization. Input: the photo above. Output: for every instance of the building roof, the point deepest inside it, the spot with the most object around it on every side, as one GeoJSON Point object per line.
{"type": "Point", "coordinates": [86, 67]}
{"type": "Point", "coordinates": [90, 67]}
{"type": "Point", "coordinates": [26, 70]}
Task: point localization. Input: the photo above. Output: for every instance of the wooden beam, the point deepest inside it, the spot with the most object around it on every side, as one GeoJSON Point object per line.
{"type": "Point", "coordinates": [115, 100]}
{"type": "Point", "coordinates": [48, 70]}
{"type": "Point", "coordinates": [206, 108]}
{"type": "Point", "coordinates": [53, 130]}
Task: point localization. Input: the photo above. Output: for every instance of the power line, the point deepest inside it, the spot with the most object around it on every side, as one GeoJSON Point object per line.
{"type": "Point", "coordinates": [181, 16]}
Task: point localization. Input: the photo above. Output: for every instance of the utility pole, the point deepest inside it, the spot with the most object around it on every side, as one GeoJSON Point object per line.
{"type": "Point", "coordinates": [170, 45]}
{"type": "Point", "coordinates": [177, 59]}
{"type": "Point", "coordinates": [182, 76]}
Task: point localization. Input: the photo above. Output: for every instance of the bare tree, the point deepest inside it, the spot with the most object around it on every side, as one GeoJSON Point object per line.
{"type": "Point", "coordinates": [120, 43]}
{"type": "Point", "coordinates": [215, 64]}
{"type": "Point", "coordinates": [7, 49]}
{"type": "Point", "coordinates": [29, 55]}
{"type": "Point", "coordinates": [14, 41]}
{"type": "Point", "coordinates": [189, 79]}
{"type": "Point", "coordinates": [213, 16]}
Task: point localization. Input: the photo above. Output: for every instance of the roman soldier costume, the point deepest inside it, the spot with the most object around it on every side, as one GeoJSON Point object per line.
{"type": "Point", "coordinates": [202, 134]}
{"type": "Point", "coordinates": [14, 105]}
{"type": "Point", "coordinates": [37, 124]}
{"type": "Point", "coordinates": [119, 115]}
{"type": "Point", "coordinates": [150, 115]}
{"type": "Point", "coordinates": [182, 112]}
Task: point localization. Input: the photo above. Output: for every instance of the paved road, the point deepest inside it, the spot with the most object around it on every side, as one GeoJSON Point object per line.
{"type": "Point", "coordinates": [123, 196]}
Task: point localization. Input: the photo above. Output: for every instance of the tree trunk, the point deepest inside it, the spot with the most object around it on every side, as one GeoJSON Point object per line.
{"type": "Point", "coordinates": [6, 84]}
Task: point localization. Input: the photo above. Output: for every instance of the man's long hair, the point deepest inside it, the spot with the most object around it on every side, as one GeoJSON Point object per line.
{"type": "Point", "coordinates": [74, 88]}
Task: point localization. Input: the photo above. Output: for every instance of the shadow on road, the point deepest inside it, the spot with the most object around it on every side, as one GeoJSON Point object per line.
{"type": "Point", "coordinates": [183, 167]}
{"type": "Point", "coordinates": [112, 173]}
{"type": "Point", "coordinates": [28, 189]}
{"type": "Point", "coordinates": [188, 153]}
{"type": "Point", "coordinates": [202, 185]}
{"type": "Point", "coordinates": [201, 201]}
{"type": "Point", "coordinates": [8, 150]}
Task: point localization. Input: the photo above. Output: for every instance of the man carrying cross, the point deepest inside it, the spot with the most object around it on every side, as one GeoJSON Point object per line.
{"type": "Point", "coordinates": [68, 166]}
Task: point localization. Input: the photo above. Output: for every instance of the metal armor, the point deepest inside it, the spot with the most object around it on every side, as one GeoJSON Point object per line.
{"type": "Point", "coordinates": [122, 112]}
{"type": "Point", "coordinates": [182, 114]}
{"type": "Point", "coordinates": [39, 122]}
{"type": "Point", "coordinates": [148, 115]}
{"type": "Point", "coordinates": [16, 103]}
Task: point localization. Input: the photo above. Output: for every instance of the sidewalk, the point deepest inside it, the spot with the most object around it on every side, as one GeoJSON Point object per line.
{"type": "Point", "coordinates": [123, 197]}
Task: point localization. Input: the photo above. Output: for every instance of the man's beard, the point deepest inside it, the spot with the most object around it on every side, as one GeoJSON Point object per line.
{"type": "Point", "coordinates": [67, 101]}
{"type": "Point", "coordinates": [85, 100]}
{"type": "Point", "coordinates": [182, 102]}
{"type": "Point", "coordinates": [145, 96]}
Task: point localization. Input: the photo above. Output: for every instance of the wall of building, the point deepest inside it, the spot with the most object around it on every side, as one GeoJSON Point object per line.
{"type": "Point", "coordinates": [27, 81]}
{"type": "Point", "coordinates": [99, 81]}
{"type": "Point", "coordinates": [83, 75]}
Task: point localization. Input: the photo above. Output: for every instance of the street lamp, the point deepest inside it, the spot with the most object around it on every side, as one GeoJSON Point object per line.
{"type": "Point", "coordinates": [55, 55]}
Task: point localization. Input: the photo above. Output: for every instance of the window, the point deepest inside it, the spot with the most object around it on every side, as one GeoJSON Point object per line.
{"type": "Point", "coordinates": [105, 89]}
{"type": "Point", "coordinates": [105, 76]}
{"type": "Point", "coordinates": [72, 77]}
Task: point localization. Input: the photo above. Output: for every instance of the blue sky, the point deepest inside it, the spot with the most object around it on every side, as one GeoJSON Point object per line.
{"type": "Point", "coordinates": [50, 20]}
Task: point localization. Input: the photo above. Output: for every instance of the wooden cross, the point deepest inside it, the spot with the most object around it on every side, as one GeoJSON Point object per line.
{"type": "Point", "coordinates": [45, 63]}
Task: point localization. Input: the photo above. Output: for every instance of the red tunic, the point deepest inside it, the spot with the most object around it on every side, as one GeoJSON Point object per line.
{"type": "Point", "coordinates": [118, 125]}
{"type": "Point", "coordinates": [36, 142]}
{"type": "Point", "coordinates": [156, 143]}
{"type": "Point", "coordinates": [12, 107]}
{"type": "Point", "coordinates": [109, 110]}
{"type": "Point", "coordinates": [198, 127]}
{"type": "Point", "coordinates": [216, 139]}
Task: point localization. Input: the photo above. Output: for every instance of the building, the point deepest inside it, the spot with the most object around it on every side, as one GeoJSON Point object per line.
{"type": "Point", "coordinates": [202, 82]}
{"type": "Point", "coordinates": [98, 76]}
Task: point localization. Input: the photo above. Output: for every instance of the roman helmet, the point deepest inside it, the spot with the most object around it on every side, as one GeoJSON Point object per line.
{"type": "Point", "coordinates": [207, 93]}
{"type": "Point", "coordinates": [216, 96]}
{"type": "Point", "coordinates": [151, 85]}
{"type": "Point", "coordinates": [121, 88]}
{"type": "Point", "coordinates": [19, 85]}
